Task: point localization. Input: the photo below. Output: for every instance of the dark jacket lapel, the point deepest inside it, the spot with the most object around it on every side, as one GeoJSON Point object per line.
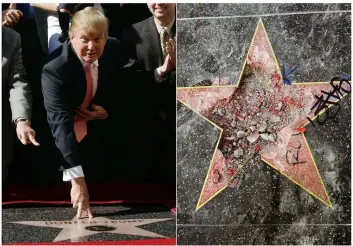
{"type": "Point", "coordinates": [104, 64]}
{"type": "Point", "coordinates": [77, 74]}
{"type": "Point", "coordinates": [152, 37]}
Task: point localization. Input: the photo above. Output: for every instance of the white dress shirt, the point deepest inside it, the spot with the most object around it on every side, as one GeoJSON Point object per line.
{"type": "Point", "coordinates": [168, 27]}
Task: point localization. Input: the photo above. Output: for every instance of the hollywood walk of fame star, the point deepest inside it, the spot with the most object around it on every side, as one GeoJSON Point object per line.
{"type": "Point", "coordinates": [259, 114]}
{"type": "Point", "coordinates": [74, 229]}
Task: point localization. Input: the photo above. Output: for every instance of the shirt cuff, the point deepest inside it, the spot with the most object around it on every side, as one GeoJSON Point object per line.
{"type": "Point", "coordinates": [72, 173]}
{"type": "Point", "coordinates": [157, 76]}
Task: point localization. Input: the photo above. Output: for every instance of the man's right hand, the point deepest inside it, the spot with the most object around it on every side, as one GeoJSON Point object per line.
{"type": "Point", "coordinates": [80, 197]}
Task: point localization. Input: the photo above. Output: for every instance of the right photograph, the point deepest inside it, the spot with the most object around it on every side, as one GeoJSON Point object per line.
{"type": "Point", "coordinates": [264, 124]}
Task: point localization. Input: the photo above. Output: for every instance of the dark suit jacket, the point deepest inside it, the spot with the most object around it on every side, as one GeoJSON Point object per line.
{"type": "Point", "coordinates": [121, 17]}
{"type": "Point", "coordinates": [64, 89]}
{"type": "Point", "coordinates": [157, 137]}
{"type": "Point", "coordinates": [142, 42]}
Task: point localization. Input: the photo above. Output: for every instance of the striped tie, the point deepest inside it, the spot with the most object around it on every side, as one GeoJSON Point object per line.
{"type": "Point", "coordinates": [164, 39]}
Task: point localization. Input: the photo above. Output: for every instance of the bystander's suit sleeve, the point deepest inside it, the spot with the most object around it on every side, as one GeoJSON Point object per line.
{"type": "Point", "coordinates": [60, 117]}
{"type": "Point", "coordinates": [20, 90]}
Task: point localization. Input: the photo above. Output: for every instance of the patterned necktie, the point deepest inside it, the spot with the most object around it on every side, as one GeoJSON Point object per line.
{"type": "Point", "coordinates": [164, 39]}
{"type": "Point", "coordinates": [80, 124]}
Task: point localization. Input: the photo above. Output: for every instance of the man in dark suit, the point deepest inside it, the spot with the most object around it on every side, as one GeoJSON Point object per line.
{"type": "Point", "coordinates": [122, 15]}
{"type": "Point", "coordinates": [17, 98]}
{"type": "Point", "coordinates": [146, 45]}
{"type": "Point", "coordinates": [77, 87]}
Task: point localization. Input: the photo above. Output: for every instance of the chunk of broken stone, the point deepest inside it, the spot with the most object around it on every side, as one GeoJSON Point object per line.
{"type": "Point", "coordinates": [240, 134]}
{"type": "Point", "coordinates": [253, 123]}
{"type": "Point", "coordinates": [238, 153]}
{"type": "Point", "coordinates": [264, 136]}
{"type": "Point", "coordinates": [229, 138]}
{"type": "Point", "coordinates": [272, 137]}
{"type": "Point", "coordinates": [221, 111]}
{"type": "Point", "coordinates": [253, 137]}
{"type": "Point", "coordinates": [269, 128]}
{"type": "Point", "coordinates": [276, 118]}
{"type": "Point", "coordinates": [263, 127]}
{"type": "Point", "coordinates": [233, 124]}
{"type": "Point", "coordinates": [279, 106]}
{"type": "Point", "coordinates": [252, 128]}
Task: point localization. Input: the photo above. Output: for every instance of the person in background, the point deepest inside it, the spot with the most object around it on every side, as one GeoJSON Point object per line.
{"type": "Point", "coordinates": [53, 21]}
{"type": "Point", "coordinates": [123, 15]}
{"type": "Point", "coordinates": [11, 16]}
{"type": "Point", "coordinates": [16, 98]}
{"type": "Point", "coordinates": [151, 46]}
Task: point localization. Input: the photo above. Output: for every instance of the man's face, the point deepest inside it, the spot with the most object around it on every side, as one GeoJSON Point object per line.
{"type": "Point", "coordinates": [160, 10]}
{"type": "Point", "coordinates": [88, 45]}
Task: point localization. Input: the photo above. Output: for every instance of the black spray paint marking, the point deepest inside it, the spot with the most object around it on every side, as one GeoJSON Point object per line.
{"type": "Point", "coordinates": [294, 158]}
{"type": "Point", "coordinates": [323, 103]}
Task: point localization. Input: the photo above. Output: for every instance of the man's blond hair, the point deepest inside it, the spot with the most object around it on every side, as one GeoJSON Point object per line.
{"type": "Point", "coordinates": [89, 19]}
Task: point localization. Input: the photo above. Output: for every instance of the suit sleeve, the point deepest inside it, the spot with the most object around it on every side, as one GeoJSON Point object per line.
{"type": "Point", "coordinates": [60, 117]}
{"type": "Point", "coordinates": [20, 90]}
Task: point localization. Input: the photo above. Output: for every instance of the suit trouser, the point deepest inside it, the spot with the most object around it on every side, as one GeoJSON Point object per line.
{"type": "Point", "coordinates": [92, 153]}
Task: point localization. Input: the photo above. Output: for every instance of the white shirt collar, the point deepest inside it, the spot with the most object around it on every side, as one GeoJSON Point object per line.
{"type": "Point", "coordinates": [168, 27]}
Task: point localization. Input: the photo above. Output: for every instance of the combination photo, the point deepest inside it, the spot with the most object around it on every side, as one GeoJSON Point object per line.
{"type": "Point", "coordinates": [176, 123]}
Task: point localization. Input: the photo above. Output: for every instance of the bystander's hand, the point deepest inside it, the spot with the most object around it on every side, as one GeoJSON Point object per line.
{"type": "Point", "coordinates": [11, 16]}
{"type": "Point", "coordinates": [171, 49]}
{"type": "Point", "coordinates": [26, 134]}
{"type": "Point", "coordinates": [166, 67]}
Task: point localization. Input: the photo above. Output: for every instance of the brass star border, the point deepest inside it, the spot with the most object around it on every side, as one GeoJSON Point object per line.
{"type": "Point", "coordinates": [180, 89]}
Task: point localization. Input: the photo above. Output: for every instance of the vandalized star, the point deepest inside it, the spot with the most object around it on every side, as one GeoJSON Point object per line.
{"type": "Point", "coordinates": [260, 118]}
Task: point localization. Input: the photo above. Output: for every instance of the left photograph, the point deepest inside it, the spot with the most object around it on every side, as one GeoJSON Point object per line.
{"type": "Point", "coordinates": [89, 123]}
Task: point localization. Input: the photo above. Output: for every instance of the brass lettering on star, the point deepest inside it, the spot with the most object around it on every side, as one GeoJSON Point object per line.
{"type": "Point", "coordinates": [69, 222]}
{"type": "Point", "coordinates": [91, 222]}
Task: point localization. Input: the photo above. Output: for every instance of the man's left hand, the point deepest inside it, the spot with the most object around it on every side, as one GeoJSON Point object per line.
{"type": "Point", "coordinates": [96, 113]}
{"type": "Point", "coordinates": [26, 134]}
